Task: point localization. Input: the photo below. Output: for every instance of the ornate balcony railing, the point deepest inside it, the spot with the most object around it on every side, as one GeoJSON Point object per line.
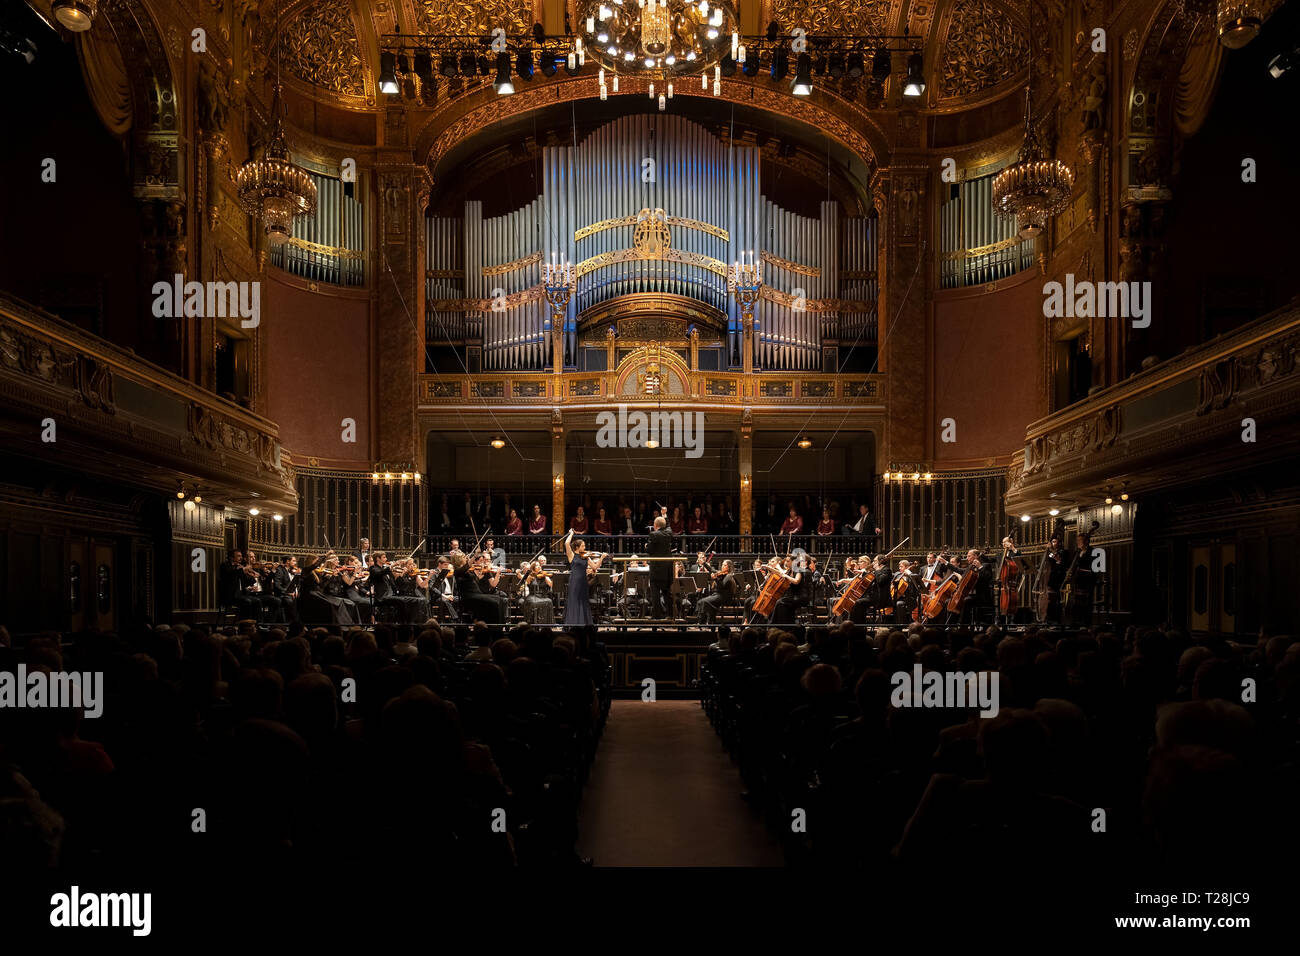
{"type": "Point", "coordinates": [117, 415]}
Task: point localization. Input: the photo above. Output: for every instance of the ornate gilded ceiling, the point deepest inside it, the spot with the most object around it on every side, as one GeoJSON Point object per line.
{"type": "Point", "coordinates": [984, 45]}
{"type": "Point", "coordinates": [321, 47]}
{"type": "Point", "coordinates": [974, 48]}
{"type": "Point", "coordinates": [473, 16]}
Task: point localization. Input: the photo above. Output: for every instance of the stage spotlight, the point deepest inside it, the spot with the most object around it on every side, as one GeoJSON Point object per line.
{"type": "Point", "coordinates": [503, 84]}
{"type": "Point", "coordinates": [1276, 66]}
{"type": "Point", "coordinates": [781, 65]}
{"type": "Point", "coordinates": [424, 68]}
{"type": "Point", "coordinates": [802, 76]}
{"type": "Point", "coordinates": [524, 64]}
{"type": "Point", "coordinates": [548, 63]}
{"type": "Point", "coordinates": [467, 65]}
{"type": "Point", "coordinates": [388, 74]}
{"type": "Point", "coordinates": [855, 64]}
{"type": "Point", "coordinates": [882, 64]}
{"type": "Point", "coordinates": [728, 66]}
{"type": "Point", "coordinates": [836, 66]}
{"type": "Point", "coordinates": [753, 62]}
{"type": "Point", "coordinates": [914, 85]}
{"type": "Point", "coordinates": [448, 66]}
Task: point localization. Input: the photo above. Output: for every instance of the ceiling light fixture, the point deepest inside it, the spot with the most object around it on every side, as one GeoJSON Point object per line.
{"type": "Point", "coordinates": [914, 85]}
{"type": "Point", "coordinates": [802, 85]}
{"type": "Point", "coordinates": [76, 15]}
{"type": "Point", "coordinates": [1239, 22]}
{"type": "Point", "coordinates": [1034, 188]}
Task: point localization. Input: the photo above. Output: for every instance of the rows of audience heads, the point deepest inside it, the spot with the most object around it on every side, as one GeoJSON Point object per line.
{"type": "Point", "coordinates": [1108, 749]}
{"type": "Point", "coordinates": [302, 745]}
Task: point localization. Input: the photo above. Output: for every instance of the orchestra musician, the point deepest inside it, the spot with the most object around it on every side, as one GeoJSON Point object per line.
{"type": "Point", "coordinates": [1079, 583]}
{"type": "Point", "coordinates": [411, 591]}
{"type": "Point", "coordinates": [577, 606]}
{"type": "Point", "coordinates": [363, 551]}
{"type": "Point", "coordinates": [442, 589]}
{"type": "Point", "coordinates": [234, 588]}
{"type": "Point", "coordinates": [535, 589]}
{"type": "Point", "coordinates": [906, 591]}
{"type": "Point", "coordinates": [496, 556]}
{"type": "Point", "coordinates": [476, 583]}
{"type": "Point", "coordinates": [725, 586]}
{"type": "Point", "coordinates": [356, 580]}
{"type": "Point", "coordinates": [878, 594]}
{"type": "Point", "coordinates": [981, 605]}
{"type": "Point", "coordinates": [322, 592]}
{"type": "Point", "coordinates": [797, 595]}
{"type": "Point", "coordinates": [1051, 575]}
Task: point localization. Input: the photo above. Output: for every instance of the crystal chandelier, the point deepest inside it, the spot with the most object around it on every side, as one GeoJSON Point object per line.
{"type": "Point", "coordinates": [273, 189]}
{"type": "Point", "coordinates": [1239, 21]}
{"type": "Point", "coordinates": [1034, 188]}
{"type": "Point", "coordinates": [663, 37]}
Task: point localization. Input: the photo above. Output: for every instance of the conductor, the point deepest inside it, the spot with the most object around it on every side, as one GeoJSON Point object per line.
{"type": "Point", "coordinates": [660, 545]}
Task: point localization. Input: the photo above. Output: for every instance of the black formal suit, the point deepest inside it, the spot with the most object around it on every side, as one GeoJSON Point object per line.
{"type": "Point", "coordinates": [660, 545]}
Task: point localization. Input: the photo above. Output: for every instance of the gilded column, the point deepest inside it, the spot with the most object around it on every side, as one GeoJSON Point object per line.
{"type": "Point", "coordinates": [745, 457]}
{"type": "Point", "coordinates": [558, 456]}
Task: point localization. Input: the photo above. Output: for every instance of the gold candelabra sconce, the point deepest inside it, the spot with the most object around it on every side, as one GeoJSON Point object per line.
{"type": "Point", "coordinates": [387, 473]}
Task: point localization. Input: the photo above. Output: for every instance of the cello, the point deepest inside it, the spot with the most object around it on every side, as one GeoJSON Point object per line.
{"type": "Point", "coordinates": [859, 585]}
{"type": "Point", "coordinates": [1008, 580]}
{"type": "Point", "coordinates": [936, 602]}
{"type": "Point", "coordinates": [773, 588]}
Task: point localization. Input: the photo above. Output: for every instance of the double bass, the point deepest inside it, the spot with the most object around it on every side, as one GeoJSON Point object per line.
{"type": "Point", "coordinates": [1009, 571]}
{"type": "Point", "coordinates": [859, 585]}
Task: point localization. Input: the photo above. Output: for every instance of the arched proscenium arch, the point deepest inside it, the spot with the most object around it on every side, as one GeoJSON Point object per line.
{"type": "Point", "coordinates": [867, 141]}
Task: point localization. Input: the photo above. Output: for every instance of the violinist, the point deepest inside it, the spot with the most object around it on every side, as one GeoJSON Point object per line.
{"type": "Point", "coordinates": [322, 592]}
{"type": "Point", "coordinates": [879, 595]}
{"type": "Point", "coordinates": [476, 582]}
{"type": "Point", "coordinates": [496, 556]}
{"type": "Point", "coordinates": [275, 599]}
{"type": "Point", "coordinates": [906, 591]}
{"type": "Point", "coordinates": [1051, 575]}
{"type": "Point", "coordinates": [411, 591]}
{"type": "Point", "coordinates": [356, 581]}
{"type": "Point", "coordinates": [577, 606]}
{"type": "Point", "coordinates": [701, 565]}
{"type": "Point", "coordinates": [535, 590]}
{"type": "Point", "coordinates": [725, 586]}
{"type": "Point", "coordinates": [442, 589]}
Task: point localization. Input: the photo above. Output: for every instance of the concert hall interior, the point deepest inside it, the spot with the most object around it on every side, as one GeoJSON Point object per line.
{"type": "Point", "coordinates": [601, 411]}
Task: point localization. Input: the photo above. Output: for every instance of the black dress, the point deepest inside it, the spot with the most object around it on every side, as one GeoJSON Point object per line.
{"type": "Point", "coordinates": [577, 609]}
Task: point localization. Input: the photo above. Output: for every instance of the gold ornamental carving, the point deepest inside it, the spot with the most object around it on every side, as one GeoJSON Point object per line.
{"type": "Point", "coordinates": [789, 266]}
{"type": "Point", "coordinates": [473, 17]}
{"type": "Point", "coordinates": [652, 329]}
{"type": "Point", "coordinates": [674, 221]}
{"type": "Point", "coordinates": [651, 238]}
{"type": "Point", "coordinates": [321, 47]}
{"type": "Point", "coordinates": [499, 270]}
{"type": "Point", "coordinates": [827, 16]}
{"type": "Point", "coordinates": [716, 266]}
{"type": "Point", "coordinates": [524, 296]}
{"type": "Point", "coordinates": [984, 45]}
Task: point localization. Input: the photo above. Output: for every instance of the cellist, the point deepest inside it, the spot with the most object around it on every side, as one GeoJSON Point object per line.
{"type": "Point", "coordinates": [905, 590]}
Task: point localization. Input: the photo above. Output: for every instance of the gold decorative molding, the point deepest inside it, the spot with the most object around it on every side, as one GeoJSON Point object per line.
{"type": "Point", "coordinates": [815, 305]}
{"type": "Point", "coordinates": [859, 18]}
{"type": "Point", "coordinates": [503, 268]}
{"type": "Point", "coordinates": [789, 266]}
{"type": "Point", "coordinates": [515, 299]}
{"type": "Point", "coordinates": [630, 220]}
{"type": "Point", "coordinates": [716, 266]}
{"type": "Point", "coordinates": [473, 17]}
{"type": "Point", "coordinates": [316, 247]}
{"type": "Point", "coordinates": [991, 248]}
